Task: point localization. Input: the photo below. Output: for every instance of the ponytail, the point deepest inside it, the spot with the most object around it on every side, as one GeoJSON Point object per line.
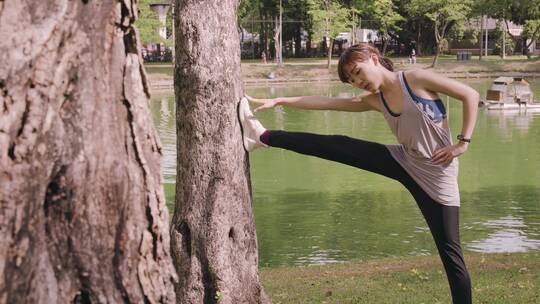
{"type": "Point", "coordinates": [387, 63]}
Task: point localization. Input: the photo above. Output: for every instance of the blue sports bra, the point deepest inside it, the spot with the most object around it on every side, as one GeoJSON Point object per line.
{"type": "Point", "coordinates": [433, 108]}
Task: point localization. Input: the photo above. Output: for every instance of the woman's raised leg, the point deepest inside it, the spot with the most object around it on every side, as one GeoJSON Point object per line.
{"type": "Point", "coordinates": [366, 155]}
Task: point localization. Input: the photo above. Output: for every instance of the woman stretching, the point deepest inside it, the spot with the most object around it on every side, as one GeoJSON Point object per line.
{"type": "Point", "coordinates": [425, 160]}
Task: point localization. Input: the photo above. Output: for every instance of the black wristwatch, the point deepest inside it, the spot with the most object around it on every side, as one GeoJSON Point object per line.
{"type": "Point", "coordinates": [463, 139]}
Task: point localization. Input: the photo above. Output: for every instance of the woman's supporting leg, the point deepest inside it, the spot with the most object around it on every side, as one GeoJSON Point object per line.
{"type": "Point", "coordinates": [443, 222]}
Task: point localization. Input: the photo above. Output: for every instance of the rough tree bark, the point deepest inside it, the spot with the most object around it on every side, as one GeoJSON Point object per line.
{"type": "Point", "coordinates": [213, 240]}
{"type": "Point", "coordinates": [82, 210]}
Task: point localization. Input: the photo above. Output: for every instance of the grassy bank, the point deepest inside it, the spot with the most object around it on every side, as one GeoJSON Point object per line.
{"type": "Point", "coordinates": [316, 70]}
{"type": "Point", "coordinates": [497, 278]}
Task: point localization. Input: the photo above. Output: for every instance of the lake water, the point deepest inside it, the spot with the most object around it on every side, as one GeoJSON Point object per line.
{"type": "Point", "coordinates": [312, 211]}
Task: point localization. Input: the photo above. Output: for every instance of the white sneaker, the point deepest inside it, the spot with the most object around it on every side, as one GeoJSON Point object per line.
{"type": "Point", "coordinates": [251, 127]}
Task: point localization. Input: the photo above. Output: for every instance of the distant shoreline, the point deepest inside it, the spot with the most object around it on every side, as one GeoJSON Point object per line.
{"type": "Point", "coordinates": [165, 83]}
{"type": "Point", "coordinates": [299, 71]}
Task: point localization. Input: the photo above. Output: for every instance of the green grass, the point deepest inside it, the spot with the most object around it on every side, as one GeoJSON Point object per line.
{"type": "Point", "coordinates": [497, 278]}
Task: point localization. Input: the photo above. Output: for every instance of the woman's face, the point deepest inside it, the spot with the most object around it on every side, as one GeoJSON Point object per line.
{"type": "Point", "coordinates": [365, 74]}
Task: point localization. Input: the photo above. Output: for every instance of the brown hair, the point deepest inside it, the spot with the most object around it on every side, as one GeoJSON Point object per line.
{"type": "Point", "coordinates": [360, 52]}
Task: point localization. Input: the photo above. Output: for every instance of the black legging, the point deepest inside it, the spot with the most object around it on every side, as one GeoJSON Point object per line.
{"type": "Point", "coordinates": [443, 221]}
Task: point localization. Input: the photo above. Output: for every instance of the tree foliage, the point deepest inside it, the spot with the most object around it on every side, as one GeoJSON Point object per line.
{"type": "Point", "coordinates": [148, 24]}
{"type": "Point", "coordinates": [329, 18]}
{"type": "Point", "coordinates": [388, 19]}
{"type": "Point", "coordinates": [443, 14]}
{"type": "Point", "coordinates": [424, 23]}
{"type": "Point", "coordinates": [531, 30]}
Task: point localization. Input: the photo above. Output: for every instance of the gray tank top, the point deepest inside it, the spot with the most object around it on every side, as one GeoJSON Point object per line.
{"type": "Point", "coordinates": [419, 138]}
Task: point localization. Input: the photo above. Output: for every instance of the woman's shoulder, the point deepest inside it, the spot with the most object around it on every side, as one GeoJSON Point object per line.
{"type": "Point", "coordinates": [429, 81]}
{"type": "Point", "coordinates": [424, 78]}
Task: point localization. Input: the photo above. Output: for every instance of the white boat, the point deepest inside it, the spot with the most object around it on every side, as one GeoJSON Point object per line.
{"type": "Point", "coordinates": [511, 93]}
{"type": "Point", "coordinates": [515, 107]}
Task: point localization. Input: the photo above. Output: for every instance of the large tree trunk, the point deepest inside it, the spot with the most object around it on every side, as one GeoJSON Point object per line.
{"type": "Point", "coordinates": [83, 216]}
{"type": "Point", "coordinates": [214, 244]}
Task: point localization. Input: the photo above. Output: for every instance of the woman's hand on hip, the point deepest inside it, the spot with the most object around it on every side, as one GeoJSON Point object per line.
{"type": "Point", "coordinates": [263, 103]}
{"type": "Point", "coordinates": [447, 154]}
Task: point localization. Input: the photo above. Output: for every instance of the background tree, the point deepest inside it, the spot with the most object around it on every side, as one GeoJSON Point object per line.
{"type": "Point", "coordinates": [518, 11]}
{"type": "Point", "coordinates": [329, 18]}
{"type": "Point", "coordinates": [443, 14]}
{"type": "Point", "coordinates": [415, 30]}
{"type": "Point", "coordinates": [260, 14]}
{"type": "Point", "coordinates": [531, 32]}
{"type": "Point", "coordinates": [504, 44]}
{"type": "Point", "coordinates": [249, 18]}
{"type": "Point", "coordinates": [296, 21]}
{"type": "Point", "coordinates": [479, 9]}
{"type": "Point", "coordinates": [148, 24]}
{"type": "Point", "coordinates": [214, 244]}
{"type": "Point", "coordinates": [387, 19]}
{"type": "Point", "coordinates": [526, 13]}
{"type": "Point", "coordinates": [83, 211]}
{"type": "Point", "coordinates": [466, 34]}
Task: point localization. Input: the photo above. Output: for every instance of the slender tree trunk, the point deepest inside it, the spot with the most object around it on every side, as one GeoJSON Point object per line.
{"type": "Point", "coordinates": [514, 38]}
{"type": "Point", "coordinates": [503, 55]}
{"type": "Point", "coordinates": [277, 46]}
{"type": "Point", "coordinates": [83, 215]}
{"type": "Point", "coordinates": [329, 52]}
{"type": "Point", "coordinates": [436, 57]}
{"type": "Point", "coordinates": [438, 41]}
{"type": "Point", "coordinates": [214, 244]}
{"type": "Point", "coordinates": [267, 37]}
{"type": "Point", "coordinates": [419, 44]}
{"type": "Point", "coordinates": [353, 33]}
{"type": "Point", "coordinates": [385, 43]}
{"type": "Point", "coordinates": [439, 38]}
{"type": "Point", "coordinates": [486, 43]}
{"type": "Point", "coordinates": [262, 36]}
{"type": "Point", "coordinates": [481, 37]}
{"type": "Point", "coordinates": [298, 41]}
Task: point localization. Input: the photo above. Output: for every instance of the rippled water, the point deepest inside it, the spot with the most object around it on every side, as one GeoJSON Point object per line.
{"type": "Point", "coordinates": [311, 211]}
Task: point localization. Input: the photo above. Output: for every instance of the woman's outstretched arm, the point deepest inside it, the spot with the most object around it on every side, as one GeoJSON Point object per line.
{"type": "Point", "coordinates": [365, 102]}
